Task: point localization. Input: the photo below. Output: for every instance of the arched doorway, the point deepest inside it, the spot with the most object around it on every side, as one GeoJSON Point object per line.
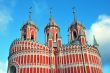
{"type": "Point", "coordinates": [12, 69]}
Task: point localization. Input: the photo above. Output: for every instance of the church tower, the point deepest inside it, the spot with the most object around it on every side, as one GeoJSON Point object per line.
{"type": "Point", "coordinates": [52, 35]}
{"type": "Point", "coordinates": [29, 30]}
{"type": "Point", "coordinates": [27, 55]}
{"type": "Point", "coordinates": [77, 32]}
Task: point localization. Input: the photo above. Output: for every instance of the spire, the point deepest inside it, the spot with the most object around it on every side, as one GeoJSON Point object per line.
{"type": "Point", "coordinates": [30, 13]}
{"type": "Point", "coordinates": [50, 12]}
{"type": "Point", "coordinates": [51, 19]}
{"type": "Point", "coordinates": [74, 13]}
{"type": "Point", "coordinates": [95, 42]}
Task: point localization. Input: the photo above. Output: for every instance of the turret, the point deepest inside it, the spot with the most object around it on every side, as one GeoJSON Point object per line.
{"type": "Point", "coordinates": [77, 32]}
{"type": "Point", "coordinates": [52, 39]}
{"type": "Point", "coordinates": [29, 30]}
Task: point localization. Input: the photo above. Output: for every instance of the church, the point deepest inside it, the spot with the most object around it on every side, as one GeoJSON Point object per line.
{"type": "Point", "coordinates": [27, 55]}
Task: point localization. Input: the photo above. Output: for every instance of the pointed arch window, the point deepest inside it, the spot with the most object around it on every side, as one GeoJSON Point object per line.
{"type": "Point", "coordinates": [56, 36]}
{"type": "Point", "coordinates": [24, 36]}
{"type": "Point", "coordinates": [47, 36]}
{"type": "Point", "coordinates": [74, 34]}
{"type": "Point", "coordinates": [32, 37]}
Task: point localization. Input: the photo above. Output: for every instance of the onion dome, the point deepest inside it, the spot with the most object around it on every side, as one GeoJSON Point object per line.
{"type": "Point", "coordinates": [51, 24]}
{"type": "Point", "coordinates": [30, 22]}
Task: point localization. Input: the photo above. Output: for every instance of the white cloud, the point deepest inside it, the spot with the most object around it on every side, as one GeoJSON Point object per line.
{"type": "Point", "coordinates": [101, 30]}
{"type": "Point", "coordinates": [3, 67]}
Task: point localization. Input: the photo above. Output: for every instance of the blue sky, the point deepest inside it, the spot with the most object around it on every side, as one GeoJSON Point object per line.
{"type": "Point", "coordinates": [94, 15]}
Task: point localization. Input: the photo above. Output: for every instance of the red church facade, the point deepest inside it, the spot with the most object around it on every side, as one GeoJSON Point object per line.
{"type": "Point", "coordinates": [27, 55]}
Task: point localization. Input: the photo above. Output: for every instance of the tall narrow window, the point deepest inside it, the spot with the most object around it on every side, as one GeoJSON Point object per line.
{"type": "Point", "coordinates": [74, 34]}
{"type": "Point", "coordinates": [37, 58]}
{"type": "Point", "coordinates": [56, 36]}
{"type": "Point", "coordinates": [24, 36]}
{"type": "Point", "coordinates": [32, 37]}
{"type": "Point", "coordinates": [47, 36]}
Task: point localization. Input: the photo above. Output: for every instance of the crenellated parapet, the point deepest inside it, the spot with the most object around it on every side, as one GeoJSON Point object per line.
{"type": "Point", "coordinates": [26, 45]}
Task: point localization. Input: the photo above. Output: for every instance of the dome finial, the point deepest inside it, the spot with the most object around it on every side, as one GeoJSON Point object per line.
{"type": "Point", "coordinates": [51, 19]}
{"type": "Point", "coordinates": [50, 12]}
{"type": "Point", "coordinates": [30, 13]}
{"type": "Point", "coordinates": [74, 13]}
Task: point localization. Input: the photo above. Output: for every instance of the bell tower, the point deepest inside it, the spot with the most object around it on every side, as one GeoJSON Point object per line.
{"type": "Point", "coordinates": [77, 31]}
{"type": "Point", "coordinates": [52, 34]}
{"type": "Point", "coordinates": [29, 30]}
